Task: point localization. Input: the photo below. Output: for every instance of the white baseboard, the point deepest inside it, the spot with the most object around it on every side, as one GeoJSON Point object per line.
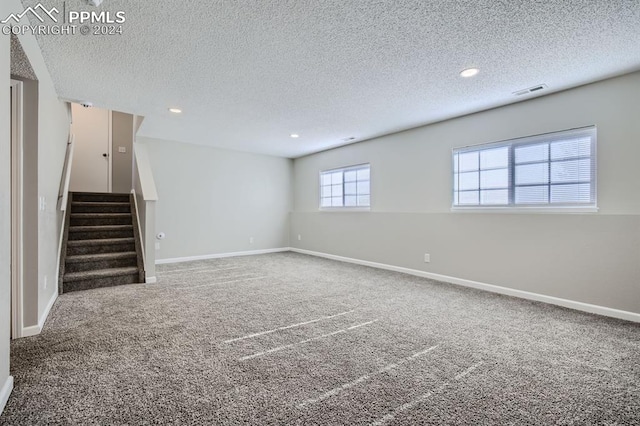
{"type": "Point", "coordinates": [580, 306]}
{"type": "Point", "coordinates": [5, 392]}
{"type": "Point", "coordinates": [34, 330]}
{"type": "Point", "coordinates": [220, 255]}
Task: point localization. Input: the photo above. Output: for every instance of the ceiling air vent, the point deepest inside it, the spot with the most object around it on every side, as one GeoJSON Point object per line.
{"type": "Point", "coordinates": [533, 89]}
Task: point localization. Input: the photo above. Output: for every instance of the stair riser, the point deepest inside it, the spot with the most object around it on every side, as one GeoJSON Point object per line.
{"type": "Point", "coordinates": [94, 235]}
{"type": "Point", "coordinates": [100, 283]}
{"type": "Point", "coordinates": [100, 221]}
{"type": "Point", "coordinates": [101, 198]}
{"type": "Point", "coordinates": [100, 249]}
{"type": "Point", "coordinates": [100, 264]}
{"type": "Point", "coordinates": [104, 208]}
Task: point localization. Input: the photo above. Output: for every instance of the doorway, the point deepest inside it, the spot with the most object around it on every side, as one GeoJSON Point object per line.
{"type": "Point", "coordinates": [91, 170]}
{"type": "Point", "coordinates": [17, 149]}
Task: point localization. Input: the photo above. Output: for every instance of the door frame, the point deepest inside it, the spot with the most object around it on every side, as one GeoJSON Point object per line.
{"type": "Point", "coordinates": [17, 146]}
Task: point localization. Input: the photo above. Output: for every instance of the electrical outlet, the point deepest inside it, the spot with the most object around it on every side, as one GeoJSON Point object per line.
{"type": "Point", "coordinates": [299, 237]}
{"type": "Point", "coordinates": [251, 240]}
{"type": "Point", "coordinates": [157, 246]}
{"type": "Point", "coordinates": [122, 149]}
{"type": "Point", "coordinates": [427, 258]}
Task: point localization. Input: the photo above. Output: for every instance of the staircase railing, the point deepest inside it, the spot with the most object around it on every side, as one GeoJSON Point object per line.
{"type": "Point", "coordinates": [145, 197]}
{"type": "Point", "coordinates": [64, 201]}
{"type": "Point", "coordinates": [63, 193]}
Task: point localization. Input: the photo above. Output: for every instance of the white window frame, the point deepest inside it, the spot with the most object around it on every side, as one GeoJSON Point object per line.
{"type": "Point", "coordinates": [343, 170]}
{"type": "Point", "coordinates": [512, 207]}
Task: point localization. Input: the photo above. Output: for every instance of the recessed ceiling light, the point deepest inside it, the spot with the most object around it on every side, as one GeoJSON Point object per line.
{"type": "Point", "coordinates": [469, 72]}
{"type": "Point", "coordinates": [295, 135]}
{"type": "Point", "coordinates": [175, 110]}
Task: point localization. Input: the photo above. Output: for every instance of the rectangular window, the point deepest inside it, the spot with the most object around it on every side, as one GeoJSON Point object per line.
{"type": "Point", "coordinates": [551, 170]}
{"type": "Point", "coordinates": [346, 187]}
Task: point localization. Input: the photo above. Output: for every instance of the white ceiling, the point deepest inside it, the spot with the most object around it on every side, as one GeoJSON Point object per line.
{"type": "Point", "coordinates": [249, 73]}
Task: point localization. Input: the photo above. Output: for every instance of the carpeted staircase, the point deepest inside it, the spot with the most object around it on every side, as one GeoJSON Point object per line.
{"type": "Point", "coordinates": [101, 243]}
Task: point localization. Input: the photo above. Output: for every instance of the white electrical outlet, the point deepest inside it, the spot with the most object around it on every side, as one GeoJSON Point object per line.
{"type": "Point", "coordinates": [122, 149]}
{"type": "Point", "coordinates": [299, 237]}
{"type": "Point", "coordinates": [251, 240]}
{"type": "Point", "coordinates": [157, 246]}
{"type": "Point", "coordinates": [427, 258]}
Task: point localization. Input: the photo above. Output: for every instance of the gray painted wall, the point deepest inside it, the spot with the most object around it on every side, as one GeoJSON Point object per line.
{"type": "Point", "coordinates": [591, 258]}
{"type": "Point", "coordinates": [53, 134]}
{"type": "Point", "coordinates": [213, 201]}
{"type": "Point", "coordinates": [122, 163]}
{"type": "Point", "coordinates": [5, 205]}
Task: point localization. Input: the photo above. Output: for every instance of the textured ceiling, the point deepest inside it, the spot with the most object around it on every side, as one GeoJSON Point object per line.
{"type": "Point", "coordinates": [20, 65]}
{"type": "Point", "coordinates": [249, 73]}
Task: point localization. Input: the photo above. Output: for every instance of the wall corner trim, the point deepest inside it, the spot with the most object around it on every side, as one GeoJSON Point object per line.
{"type": "Point", "coordinates": [221, 255]}
{"type": "Point", "coordinates": [34, 330]}
{"type": "Point", "coordinates": [5, 392]}
{"type": "Point", "coordinates": [571, 304]}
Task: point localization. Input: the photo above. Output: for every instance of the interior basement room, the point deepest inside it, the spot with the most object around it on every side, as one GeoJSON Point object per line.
{"type": "Point", "coordinates": [320, 212]}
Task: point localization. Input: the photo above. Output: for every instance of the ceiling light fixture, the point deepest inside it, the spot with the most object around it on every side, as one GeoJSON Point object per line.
{"type": "Point", "coordinates": [295, 135]}
{"type": "Point", "coordinates": [175, 110]}
{"type": "Point", "coordinates": [469, 72]}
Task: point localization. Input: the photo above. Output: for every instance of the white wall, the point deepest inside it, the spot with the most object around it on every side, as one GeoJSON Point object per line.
{"type": "Point", "coordinates": [5, 216]}
{"type": "Point", "coordinates": [590, 258]}
{"type": "Point", "coordinates": [212, 201]}
{"type": "Point", "coordinates": [53, 125]}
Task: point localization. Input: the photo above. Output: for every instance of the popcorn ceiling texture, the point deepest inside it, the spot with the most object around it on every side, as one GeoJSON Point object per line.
{"type": "Point", "coordinates": [249, 73]}
{"type": "Point", "coordinates": [20, 65]}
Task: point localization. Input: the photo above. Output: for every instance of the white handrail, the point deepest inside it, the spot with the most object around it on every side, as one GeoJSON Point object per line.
{"type": "Point", "coordinates": [66, 174]}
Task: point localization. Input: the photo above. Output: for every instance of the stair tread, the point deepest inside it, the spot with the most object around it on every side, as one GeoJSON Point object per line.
{"type": "Point", "coordinates": [105, 241]}
{"type": "Point", "coordinates": [99, 273]}
{"type": "Point", "coordinates": [99, 228]}
{"type": "Point", "coordinates": [100, 256]}
{"type": "Point", "coordinates": [100, 203]}
{"type": "Point", "coordinates": [104, 194]}
{"type": "Point", "coordinates": [99, 215]}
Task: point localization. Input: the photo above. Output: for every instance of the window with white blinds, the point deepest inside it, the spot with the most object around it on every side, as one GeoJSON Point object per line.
{"type": "Point", "coordinates": [551, 170]}
{"type": "Point", "coordinates": [348, 187]}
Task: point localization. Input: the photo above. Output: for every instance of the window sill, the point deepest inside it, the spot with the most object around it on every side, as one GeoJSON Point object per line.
{"type": "Point", "coordinates": [526, 210]}
{"type": "Point", "coordinates": [345, 209]}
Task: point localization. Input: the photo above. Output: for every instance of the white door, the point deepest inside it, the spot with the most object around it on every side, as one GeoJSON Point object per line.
{"type": "Point", "coordinates": [91, 168]}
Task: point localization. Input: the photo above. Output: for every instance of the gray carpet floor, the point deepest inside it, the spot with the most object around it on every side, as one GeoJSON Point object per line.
{"type": "Point", "coordinates": [291, 339]}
